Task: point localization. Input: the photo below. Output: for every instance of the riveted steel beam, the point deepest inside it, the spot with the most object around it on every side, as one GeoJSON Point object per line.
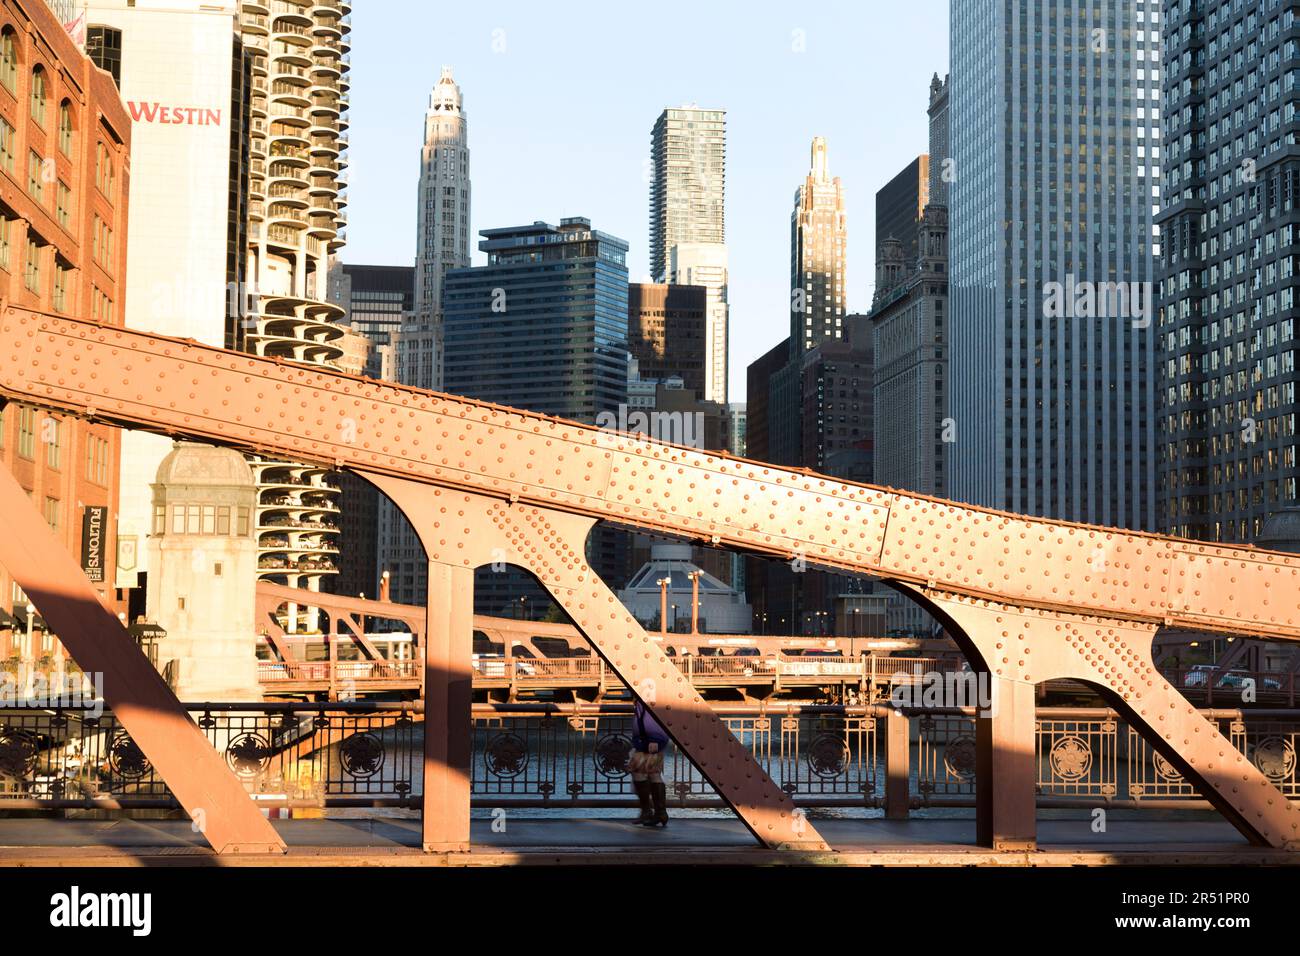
{"type": "Point", "coordinates": [309, 414]}
{"type": "Point", "coordinates": [1020, 647]}
{"type": "Point", "coordinates": [461, 532]}
{"type": "Point", "coordinates": [196, 774]}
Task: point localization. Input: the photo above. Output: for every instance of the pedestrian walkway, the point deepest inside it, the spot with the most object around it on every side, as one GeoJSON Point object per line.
{"type": "Point", "coordinates": [386, 841]}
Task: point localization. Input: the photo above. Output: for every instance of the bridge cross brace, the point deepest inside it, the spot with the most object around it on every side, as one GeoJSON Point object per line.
{"type": "Point", "coordinates": [461, 532]}
{"type": "Point", "coordinates": [1019, 647]}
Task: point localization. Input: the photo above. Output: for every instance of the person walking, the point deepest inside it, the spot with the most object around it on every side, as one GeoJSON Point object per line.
{"type": "Point", "coordinates": [649, 743]}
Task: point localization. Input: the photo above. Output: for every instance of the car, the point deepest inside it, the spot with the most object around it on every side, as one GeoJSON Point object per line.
{"type": "Point", "coordinates": [1199, 676]}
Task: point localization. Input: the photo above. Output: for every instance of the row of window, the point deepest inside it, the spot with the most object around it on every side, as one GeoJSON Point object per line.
{"type": "Point", "coordinates": [49, 432]}
{"type": "Point", "coordinates": [202, 519]}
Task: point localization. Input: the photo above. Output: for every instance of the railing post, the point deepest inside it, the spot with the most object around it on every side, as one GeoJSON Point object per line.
{"type": "Point", "coordinates": [333, 665]}
{"type": "Point", "coordinates": [898, 765]}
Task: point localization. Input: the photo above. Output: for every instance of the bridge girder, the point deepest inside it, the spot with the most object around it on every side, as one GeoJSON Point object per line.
{"type": "Point", "coordinates": [535, 485]}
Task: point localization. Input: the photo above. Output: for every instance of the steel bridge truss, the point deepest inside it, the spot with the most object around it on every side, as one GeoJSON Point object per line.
{"type": "Point", "coordinates": [1028, 599]}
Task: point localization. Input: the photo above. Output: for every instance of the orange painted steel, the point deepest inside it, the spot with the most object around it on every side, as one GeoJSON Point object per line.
{"type": "Point", "coordinates": [500, 475]}
{"type": "Point", "coordinates": [155, 720]}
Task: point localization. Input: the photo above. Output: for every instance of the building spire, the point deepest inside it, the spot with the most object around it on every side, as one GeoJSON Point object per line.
{"type": "Point", "coordinates": [445, 97]}
{"type": "Point", "coordinates": [820, 164]}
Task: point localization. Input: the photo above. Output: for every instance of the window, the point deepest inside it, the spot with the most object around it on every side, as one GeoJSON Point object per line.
{"type": "Point", "coordinates": [104, 170]}
{"type": "Point", "coordinates": [64, 206]}
{"type": "Point", "coordinates": [27, 433]}
{"type": "Point", "coordinates": [35, 186]}
{"type": "Point", "coordinates": [6, 229]}
{"type": "Point", "coordinates": [101, 307]}
{"type": "Point", "coordinates": [32, 268]}
{"type": "Point", "coordinates": [9, 60]}
{"type": "Point", "coordinates": [6, 146]}
{"type": "Point", "coordinates": [61, 273]}
{"type": "Point", "coordinates": [52, 433]}
{"type": "Point", "coordinates": [39, 94]}
{"type": "Point", "coordinates": [97, 471]}
{"type": "Point", "coordinates": [52, 513]}
{"type": "Point", "coordinates": [102, 244]}
{"type": "Point", "coordinates": [65, 128]}
{"type": "Point", "coordinates": [104, 47]}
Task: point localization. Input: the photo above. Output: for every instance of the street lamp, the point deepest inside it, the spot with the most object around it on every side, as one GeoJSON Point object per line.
{"type": "Point", "coordinates": [663, 605]}
{"type": "Point", "coordinates": [695, 600]}
{"type": "Point", "coordinates": [31, 620]}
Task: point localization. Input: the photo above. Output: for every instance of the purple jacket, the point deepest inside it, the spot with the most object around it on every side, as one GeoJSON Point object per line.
{"type": "Point", "coordinates": [646, 730]}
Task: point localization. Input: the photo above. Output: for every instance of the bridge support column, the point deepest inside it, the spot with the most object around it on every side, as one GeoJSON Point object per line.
{"type": "Point", "coordinates": [1006, 770]}
{"type": "Point", "coordinates": [448, 698]}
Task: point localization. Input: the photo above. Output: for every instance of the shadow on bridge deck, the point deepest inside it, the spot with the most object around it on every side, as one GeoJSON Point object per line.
{"type": "Point", "coordinates": [574, 840]}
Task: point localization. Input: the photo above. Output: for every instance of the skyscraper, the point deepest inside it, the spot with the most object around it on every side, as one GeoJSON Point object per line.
{"type": "Point", "coordinates": [688, 187]}
{"type": "Point", "coordinates": [910, 329]}
{"type": "Point", "coordinates": [899, 205]}
{"type": "Point", "coordinates": [666, 331]}
{"type": "Point", "coordinates": [542, 326]}
{"type": "Point", "coordinates": [1054, 140]}
{"type": "Point", "coordinates": [818, 243]}
{"type": "Point", "coordinates": [376, 300]}
{"type": "Point", "coordinates": [413, 355]}
{"type": "Point", "coordinates": [442, 235]}
{"type": "Point", "coordinates": [298, 58]}
{"type": "Point", "coordinates": [940, 148]}
{"type": "Point", "coordinates": [687, 220]}
{"type": "Point", "coordinates": [1227, 318]}
{"type": "Point", "coordinates": [704, 265]}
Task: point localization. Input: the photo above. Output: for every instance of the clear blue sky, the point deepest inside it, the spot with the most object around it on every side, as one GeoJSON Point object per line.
{"type": "Point", "coordinates": [561, 99]}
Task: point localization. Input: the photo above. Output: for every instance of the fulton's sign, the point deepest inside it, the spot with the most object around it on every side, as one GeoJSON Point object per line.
{"type": "Point", "coordinates": [92, 541]}
{"type": "Point", "coordinates": [172, 115]}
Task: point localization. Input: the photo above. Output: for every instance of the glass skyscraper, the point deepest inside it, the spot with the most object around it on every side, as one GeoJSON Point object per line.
{"type": "Point", "coordinates": [688, 163]}
{"type": "Point", "coordinates": [542, 326]}
{"type": "Point", "coordinates": [1227, 298]}
{"type": "Point", "coordinates": [1055, 134]}
{"type": "Point", "coordinates": [688, 151]}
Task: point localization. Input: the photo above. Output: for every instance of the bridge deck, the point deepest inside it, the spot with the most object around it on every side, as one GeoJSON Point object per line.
{"type": "Point", "coordinates": [1063, 841]}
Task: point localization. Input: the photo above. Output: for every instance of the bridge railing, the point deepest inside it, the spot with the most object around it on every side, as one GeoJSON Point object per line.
{"type": "Point", "coordinates": [551, 756]}
{"type": "Point", "coordinates": [867, 669]}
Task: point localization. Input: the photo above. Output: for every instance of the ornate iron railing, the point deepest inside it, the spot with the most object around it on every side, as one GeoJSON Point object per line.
{"type": "Point", "coordinates": [547, 755]}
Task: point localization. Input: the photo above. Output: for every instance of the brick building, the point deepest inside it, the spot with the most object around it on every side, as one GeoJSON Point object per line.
{"type": "Point", "coordinates": [64, 170]}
